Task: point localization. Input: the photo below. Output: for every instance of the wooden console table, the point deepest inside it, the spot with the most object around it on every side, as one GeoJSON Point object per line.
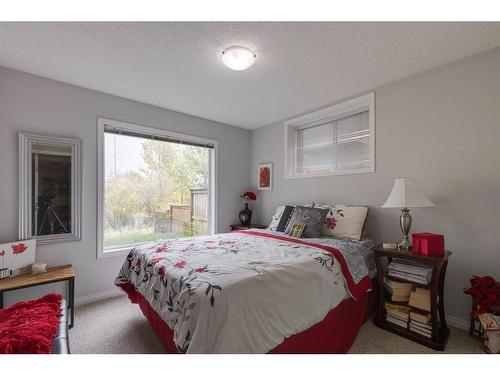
{"type": "Point", "coordinates": [53, 275]}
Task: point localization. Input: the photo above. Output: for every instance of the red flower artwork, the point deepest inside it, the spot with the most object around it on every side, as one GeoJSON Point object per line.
{"type": "Point", "coordinates": [180, 264]}
{"type": "Point", "coordinates": [265, 177]}
{"type": "Point", "coordinates": [2, 253]}
{"type": "Point", "coordinates": [200, 270]}
{"type": "Point", "coordinates": [19, 248]}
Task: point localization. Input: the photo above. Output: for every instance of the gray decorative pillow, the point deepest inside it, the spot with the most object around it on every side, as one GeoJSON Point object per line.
{"type": "Point", "coordinates": [313, 218]}
{"type": "Point", "coordinates": [282, 216]}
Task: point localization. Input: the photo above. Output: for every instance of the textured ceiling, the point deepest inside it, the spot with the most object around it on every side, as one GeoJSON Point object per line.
{"type": "Point", "coordinates": [299, 66]}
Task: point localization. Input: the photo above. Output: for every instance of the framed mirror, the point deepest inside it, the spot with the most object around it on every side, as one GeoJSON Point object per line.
{"type": "Point", "coordinates": [49, 188]}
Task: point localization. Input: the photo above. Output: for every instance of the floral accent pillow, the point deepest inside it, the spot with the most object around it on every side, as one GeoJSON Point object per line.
{"type": "Point", "coordinates": [313, 218]}
{"type": "Point", "coordinates": [344, 221]}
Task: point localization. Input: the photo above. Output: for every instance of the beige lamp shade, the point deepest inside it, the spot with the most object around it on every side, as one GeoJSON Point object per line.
{"type": "Point", "coordinates": [407, 193]}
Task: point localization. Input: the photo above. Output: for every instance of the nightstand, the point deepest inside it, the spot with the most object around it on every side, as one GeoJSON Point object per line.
{"type": "Point", "coordinates": [440, 331]}
{"type": "Point", "coordinates": [243, 227]}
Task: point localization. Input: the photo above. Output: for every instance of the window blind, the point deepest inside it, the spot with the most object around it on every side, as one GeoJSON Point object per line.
{"type": "Point", "coordinates": [340, 143]}
{"type": "Point", "coordinates": [115, 130]}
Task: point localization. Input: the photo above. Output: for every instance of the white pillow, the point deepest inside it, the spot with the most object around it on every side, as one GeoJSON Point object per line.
{"type": "Point", "coordinates": [344, 221]}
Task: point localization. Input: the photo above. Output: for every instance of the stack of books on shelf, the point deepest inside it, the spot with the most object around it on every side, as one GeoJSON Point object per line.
{"type": "Point", "coordinates": [399, 292]}
{"type": "Point", "coordinates": [397, 314]}
{"type": "Point", "coordinates": [421, 299]}
{"type": "Point", "coordinates": [411, 271]}
{"type": "Point", "coordinates": [420, 323]}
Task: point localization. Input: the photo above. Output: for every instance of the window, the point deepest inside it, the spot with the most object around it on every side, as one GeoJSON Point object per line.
{"type": "Point", "coordinates": [152, 184]}
{"type": "Point", "coordinates": [333, 141]}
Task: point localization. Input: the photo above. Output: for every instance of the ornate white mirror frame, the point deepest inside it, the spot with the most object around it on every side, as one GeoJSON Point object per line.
{"type": "Point", "coordinates": [27, 207]}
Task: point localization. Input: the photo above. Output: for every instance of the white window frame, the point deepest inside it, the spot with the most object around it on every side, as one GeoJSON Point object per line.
{"type": "Point", "coordinates": [102, 123]}
{"type": "Point", "coordinates": [346, 108]}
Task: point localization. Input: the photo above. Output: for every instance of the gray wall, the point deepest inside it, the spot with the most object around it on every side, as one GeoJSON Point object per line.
{"type": "Point", "coordinates": [441, 127]}
{"type": "Point", "coordinates": [31, 103]}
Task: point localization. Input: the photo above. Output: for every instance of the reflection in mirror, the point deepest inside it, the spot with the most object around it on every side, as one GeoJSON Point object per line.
{"type": "Point", "coordinates": [49, 188]}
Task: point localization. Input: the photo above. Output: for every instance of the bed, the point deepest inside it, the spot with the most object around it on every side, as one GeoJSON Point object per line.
{"type": "Point", "coordinates": [253, 291]}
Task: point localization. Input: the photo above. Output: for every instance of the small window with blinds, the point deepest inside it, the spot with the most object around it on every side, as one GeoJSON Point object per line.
{"type": "Point", "coordinates": [334, 141]}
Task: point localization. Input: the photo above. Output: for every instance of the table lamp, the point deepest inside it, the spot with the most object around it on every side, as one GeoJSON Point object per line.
{"type": "Point", "coordinates": [406, 194]}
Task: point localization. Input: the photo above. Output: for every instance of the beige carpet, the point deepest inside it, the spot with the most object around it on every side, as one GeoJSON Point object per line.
{"type": "Point", "coordinates": [117, 326]}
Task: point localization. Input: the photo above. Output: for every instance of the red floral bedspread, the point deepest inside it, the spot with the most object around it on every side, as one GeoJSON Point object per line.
{"type": "Point", "coordinates": [240, 292]}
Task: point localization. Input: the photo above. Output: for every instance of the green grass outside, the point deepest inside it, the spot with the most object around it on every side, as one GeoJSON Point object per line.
{"type": "Point", "coordinates": [136, 236]}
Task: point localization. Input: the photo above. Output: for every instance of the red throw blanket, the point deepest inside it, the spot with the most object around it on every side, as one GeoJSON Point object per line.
{"type": "Point", "coordinates": [29, 327]}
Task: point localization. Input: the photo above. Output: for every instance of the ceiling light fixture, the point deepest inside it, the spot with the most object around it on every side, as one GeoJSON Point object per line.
{"type": "Point", "coordinates": [238, 58]}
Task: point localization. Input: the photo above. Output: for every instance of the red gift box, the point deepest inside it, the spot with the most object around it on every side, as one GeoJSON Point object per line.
{"type": "Point", "coordinates": [416, 241]}
{"type": "Point", "coordinates": [428, 243]}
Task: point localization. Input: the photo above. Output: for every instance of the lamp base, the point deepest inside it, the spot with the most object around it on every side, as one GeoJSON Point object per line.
{"type": "Point", "coordinates": [404, 244]}
{"type": "Point", "coordinates": [405, 223]}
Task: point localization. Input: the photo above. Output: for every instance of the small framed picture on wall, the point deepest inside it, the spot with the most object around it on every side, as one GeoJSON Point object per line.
{"type": "Point", "coordinates": [265, 176]}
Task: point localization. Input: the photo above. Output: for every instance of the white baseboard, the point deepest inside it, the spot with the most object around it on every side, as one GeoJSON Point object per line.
{"type": "Point", "coordinates": [457, 322]}
{"type": "Point", "coordinates": [94, 297]}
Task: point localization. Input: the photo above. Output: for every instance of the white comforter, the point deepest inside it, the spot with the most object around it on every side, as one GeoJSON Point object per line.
{"type": "Point", "coordinates": [237, 292]}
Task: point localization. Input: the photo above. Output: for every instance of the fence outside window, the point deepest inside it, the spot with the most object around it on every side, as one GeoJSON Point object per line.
{"type": "Point", "coordinates": [186, 219]}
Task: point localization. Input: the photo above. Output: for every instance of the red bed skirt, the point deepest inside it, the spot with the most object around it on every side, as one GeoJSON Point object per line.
{"type": "Point", "coordinates": [334, 334]}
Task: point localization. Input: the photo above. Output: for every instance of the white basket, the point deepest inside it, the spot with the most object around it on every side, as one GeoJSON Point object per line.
{"type": "Point", "coordinates": [491, 337]}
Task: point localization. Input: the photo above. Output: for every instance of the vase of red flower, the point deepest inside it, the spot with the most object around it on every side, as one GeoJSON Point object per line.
{"type": "Point", "coordinates": [485, 293]}
{"type": "Point", "coordinates": [246, 214]}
